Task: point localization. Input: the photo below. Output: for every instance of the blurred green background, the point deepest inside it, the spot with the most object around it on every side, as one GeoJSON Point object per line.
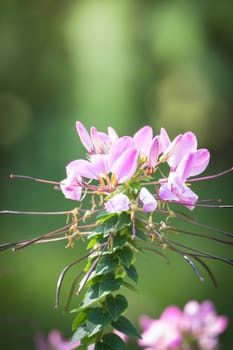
{"type": "Point", "coordinates": [123, 63]}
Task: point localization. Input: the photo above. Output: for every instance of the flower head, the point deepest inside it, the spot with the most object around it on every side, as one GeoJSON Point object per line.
{"type": "Point", "coordinates": [185, 161]}
{"type": "Point", "coordinates": [96, 142]}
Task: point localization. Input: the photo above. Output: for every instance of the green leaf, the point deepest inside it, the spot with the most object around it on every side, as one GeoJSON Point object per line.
{"type": "Point", "coordinates": [109, 283]}
{"type": "Point", "coordinates": [132, 273]}
{"type": "Point", "coordinates": [126, 255]}
{"type": "Point", "coordinates": [100, 289]}
{"type": "Point", "coordinates": [130, 287]}
{"type": "Point", "coordinates": [79, 319]}
{"type": "Point", "coordinates": [119, 241]}
{"type": "Point", "coordinates": [104, 216]}
{"type": "Point", "coordinates": [110, 224]}
{"type": "Point", "coordinates": [107, 264]}
{"type": "Point", "coordinates": [80, 333]}
{"type": "Point", "coordinates": [116, 305]}
{"type": "Point", "coordinates": [96, 233]}
{"type": "Point", "coordinates": [92, 242]}
{"type": "Point", "coordinates": [80, 347]}
{"type": "Point", "coordinates": [92, 295]}
{"type": "Point", "coordinates": [125, 326]}
{"type": "Point", "coordinates": [123, 221]}
{"type": "Point", "coordinates": [102, 346]}
{"type": "Point", "coordinates": [141, 235]}
{"type": "Point", "coordinates": [114, 341]}
{"type": "Point", "coordinates": [97, 319]}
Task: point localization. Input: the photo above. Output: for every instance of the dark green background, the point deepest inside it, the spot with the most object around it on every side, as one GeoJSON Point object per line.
{"type": "Point", "coordinates": [122, 63]}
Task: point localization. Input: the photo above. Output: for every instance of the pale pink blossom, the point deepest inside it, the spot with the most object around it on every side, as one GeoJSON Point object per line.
{"type": "Point", "coordinates": [163, 333]}
{"type": "Point", "coordinates": [196, 327]}
{"type": "Point", "coordinates": [176, 189]}
{"type": "Point", "coordinates": [55, 341]}
{"type": "Point", "coordinates": [71, 186]}
{"type": "Point", "coordinates": [121, 163]}
{"type": "Point", "coordinates": [96, 142]}
{"type": "Point", "coordinates": [148, 201]}
{"type": "Point", "coordinates": [142, 139]}
{"type": "Point", "coordinates": [118, 203]}
{"type": "Point", "coordinates": [202, 322]}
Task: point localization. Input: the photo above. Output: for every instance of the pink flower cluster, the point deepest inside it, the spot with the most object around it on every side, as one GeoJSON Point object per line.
{"type": "Point", "coordinates": [54, 341]}
{"type": "Point", "coordinates": [115, 161]}
{"type": "Point", "coordinates": [196, 327]}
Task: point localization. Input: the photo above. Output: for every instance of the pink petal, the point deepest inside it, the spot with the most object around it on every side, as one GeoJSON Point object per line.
{"type": "Point", "coordinates": [71, 187]}
{"type": "Point", "coordinates": [193, 164]}
{"type": "Point", "coordinates": [84, 136]}
{"type": "Point", "coordinates": [169, 154]}
{"type": "Point", "coordinates": [118, 203]}
{"type": "Point", "coordinates": [92, 169]}
{"type": "Point", "coordinates": [112, 134]}
{"type": "Point", "coordinates": [96, 168]}
{"type": "Point", "coordinates": [149, 202]}
{"type": "Point", "coordinates": [154, 152]}
{"type": "Point", "coordinates": [125, 166]}
{"type": "Point", "coordinates": [142, 139]}
{"type": "Point", "coordinates": [100, 141]}
{"type": "Point", "coordinates": [145, 321]}
{"type": "Point", "coordinates": [188, 145]}
{"type": "Point", "coordinates": [166, 194]}
{"type": "Point", "coordinates": [119, 148]}
{"type": "Point", "coordinates": [172, 314]}
{"type": "Point", "coordinates": [184, 193]}
{"type": "Point", "coordinates": [200, 161]}
{"type": "Point", "coordinates": [176, 190]}
{"type": "Point", "coordinates": [164, 140]}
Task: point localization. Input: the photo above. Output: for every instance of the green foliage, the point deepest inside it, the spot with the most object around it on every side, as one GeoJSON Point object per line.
{"type": "Point", "coordinates": [125, 326]}
{"type": "Point", "coordinates": [111, 341]}
{"type": "Point", "coordinates": [116, 305]}
{"type": "Point", "coordinates": [106, 269]}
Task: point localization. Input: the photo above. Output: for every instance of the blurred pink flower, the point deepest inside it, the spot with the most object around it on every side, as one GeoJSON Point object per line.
{"type": "Point", "coordinates": [201, 321]}
{"type": "Point", "coordinates": [54, 341]}
{"type": "Point", "coordinates": [196, 327]}
{"type": "Point", "coordinates": [162, 334]}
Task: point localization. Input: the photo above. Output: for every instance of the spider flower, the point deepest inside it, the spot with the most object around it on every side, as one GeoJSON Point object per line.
{"type": "Point", "coordinates": [132, 183]}
{"type": "Point", "coordinates": [176, 189]}
{"type": "Point", "coordinates": [96, 142]}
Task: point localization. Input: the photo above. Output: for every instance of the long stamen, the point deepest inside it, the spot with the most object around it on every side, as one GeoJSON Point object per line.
{"type": "Point", "coordinates": [211, 176]}
{"type": "Point", "coordinates": [170, 228]}
{"type": "Point", "coordinates": [206, 227]}
{"type": "Point", "coordinates": [13, 176]}
{"type": "Point", "coordinates": [36, 239]}
{"type": "Point", "coordinates": [16, 212]}
{"type": "Point", "coordinates": [198, 253]}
